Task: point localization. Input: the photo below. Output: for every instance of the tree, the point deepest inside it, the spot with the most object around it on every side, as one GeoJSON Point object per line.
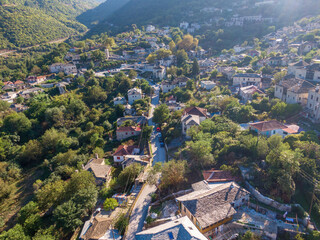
{"type": "Point", "coordinates": [128, 175]}
{"type": "Point", "coordinates": [279, 76]}
{"type": "Point", "coordinates": [173, 174]}
{"type": "Point", "coordinates": [182, 57]}
{"type": "Point", "coordinates": [17, 232]}
{"type": "Point", "coordinates": [188, 43]}
{"type": "Point", "coordinates": [195, 68]}
{"type": "Point", "coordinates": [68, 216]}
{"type": "Point", "coordinates": [132, 74]}
{"type": "Point", "coordinates": [200, 152]}
{"type": "Point", "coordinates": [250, 236]}
{"type": "Point", "coordinates": [28, 210]}
{"type": "Point", "coordinates": [31, 152]}
{"type": "Point", "coordinates": [110, 204]}
{"type": "Point", "coordinates": [122, 223]}
{"type": "Point", "coordinates": [161, 114]}
{"type": "Point", "coordinates": [17, 122]}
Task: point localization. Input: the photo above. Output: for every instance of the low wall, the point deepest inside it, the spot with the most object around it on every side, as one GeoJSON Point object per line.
{"type": "Point", "coordinates": [266, 200]}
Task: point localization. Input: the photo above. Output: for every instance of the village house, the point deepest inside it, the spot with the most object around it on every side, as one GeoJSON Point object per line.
{"type": "Point", "coordinates": [119, 100]}
{"type": "Point", "coordinates": [227, 71]}
{"type": "Point", "coordinates": [246, 93]}
{"type": "Point", "coordinates": [18, 107]}
{"type": "Point", "coordinates": [126, 132]}
{"type": "Point", "coordinates": [266, 82]}
{"type": "Point", "coordinates": [68, 69]}
{"type": "Point", "coordinates": [134, 94]}
{"type": "Point", "coordinates": [293, 90]}
{"type": "Point", "coordinates": [207, 85]}
{"type": "Point", "coordinates": [99, 169]}
{"type": "Point", "coordinates": [210, 207]}
{"type": "Point", "coordinates": [306, 47]}
{"type": "Point", "coordinates": [98, 228]}
{"type": "Point", "coordinates": [150, 28]}
{"type": "Point", "coordinates": [9, 96]}
{"type": "Point", "coordinates": [192, 116]}
{"type": "Point", "coordinates": [270, 128]}
{"type": "Point", "coordinates": [124, 150]}
{"type": "Point", "coordinates": [313, 104]}
{"type": "Point", "coordinates": [309, 72]}
{"type": "Point", "coordinates": [136, 120]}
{"type": "Point", "coordinates": [143, 160]}
{"type": "Point", "coordinates": [34, 80]}
{"type": "Point", "coordinates": [28, 93]}
{"type": "Point", "coordinates": [292, 68]}
{"type": "Point", "coordinates": [253, 53]}
{"type": "Point", "coordinates": [180, 229]}
{"type": "Point", "coordinates": [159, 72]}
{"type": "Point", "coordinates": [278, 61]}
{"type": "Point", "coordinates": [247, 79]}
{"type": "Point", "coordinates": [167, 86]}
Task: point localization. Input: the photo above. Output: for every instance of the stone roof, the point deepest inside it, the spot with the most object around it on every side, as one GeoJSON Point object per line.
{"type": "Point", "coordinates": [191, 120]}
{"type": "Point", "coordinates": [296, 85]}
{"type": "Point", "coordinates": [97, 167]}
{"type": "Point", "coordinates": [301, 63]}
{"type": "Point", "coordinates": [180, 229]}
{"type": "Point", "coordinates": [251, 90]}
{"type": "Point", "coordinates": [201, 112]}
{"type": "Point", "coordinates": [97, 228]}
{"type": "Point", "coordinates": [214, 205]}
{"type": "Point", "coordinates": [268, 125]}
{"type": "Point", "coordinates": [134, 91]}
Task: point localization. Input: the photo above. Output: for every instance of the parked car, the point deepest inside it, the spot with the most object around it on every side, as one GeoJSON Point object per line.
{"type": "Point", "coordinates": [158, 129]}
{"type": "Point", "coordinates": [161, 144]}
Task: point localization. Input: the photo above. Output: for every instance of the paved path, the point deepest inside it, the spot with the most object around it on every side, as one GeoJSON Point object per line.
{"type": "Point", "coordinates": [140, 210]}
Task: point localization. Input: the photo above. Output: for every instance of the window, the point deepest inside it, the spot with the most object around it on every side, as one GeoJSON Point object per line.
{"type": "Point", "coordinates": [126, 133]}
{"type": "Point", "coordinates": [317, 99]}
{"type": "Point", "coordinates": [132, 133]}
{"type": "Point", "coordinates": [118, 158]}
{"type": "Point", "coordinates": [311, 96]}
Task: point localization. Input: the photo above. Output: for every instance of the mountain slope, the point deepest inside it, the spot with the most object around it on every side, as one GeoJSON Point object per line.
{"type": "Point", "coordinates": [29, 22]}
{"type": "Point", "coordinates": [172, 12]}
{"type": "Point", "coordinates": [101, 12]}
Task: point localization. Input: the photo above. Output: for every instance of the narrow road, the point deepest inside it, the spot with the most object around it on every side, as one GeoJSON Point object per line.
{"type": "Point", "coordinates": [140, 209]}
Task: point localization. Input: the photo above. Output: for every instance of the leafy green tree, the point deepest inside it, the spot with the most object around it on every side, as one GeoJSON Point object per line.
{"type": "Point", "coordinates": [31, 152]}
{"type": "Point", "coordinates": [250, 236]}
{"type": "Point", "coordinates": [27, 210]}
{"type": "Point", "coordinates": [200, 152]}
{"type": "Point", "coordinates": [17, 123]}
{"type": "Point", "coordinates": [161, 114]}
{"type": "Point", "coordinates": [17, 232]}
{"type": "Point", "coordinates": [128, 175]}
{"type": "Point", "coordinates": [182, 57]}
{"type": "Point", "coordinates": [68, 216]}
{"type": "Point", "coordinates": [173, 173]}
{"type": "Point", "coordinates": [50, 194]}
{"type": "Point", "coordinates": [110, 204]}
{"type": "Point", "coordinates": [121, 223]}
{"type": "Point", "coordinates": [132, 74]}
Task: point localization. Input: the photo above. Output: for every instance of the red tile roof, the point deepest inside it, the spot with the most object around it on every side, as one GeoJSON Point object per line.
{"type": "Point", "coordinates": [218, 176]}
{"type": "Point", "coordinates": [201, 112]}
{"type": "Point", "coordinates": [123, 150]}
{"type": "Point", "coordinates": [128, 129]}
{"type": "Point", "coordinates": [268, 125]}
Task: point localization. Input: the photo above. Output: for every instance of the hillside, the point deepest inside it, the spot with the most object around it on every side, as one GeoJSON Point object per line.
{"type": "Point", "coordinates": [101, 12]}
{"type": "Point", "coordinates": [29, 22]}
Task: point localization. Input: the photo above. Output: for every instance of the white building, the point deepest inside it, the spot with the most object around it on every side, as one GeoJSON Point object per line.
{"type": "Point", "coordinates": [167, 86]}
{"type": "Point", "coordinates": [208, 85]}
{"type": "Point", "coordinates": [192, 116]}
{"type": "Point", "coordinates": [247, 79]}
{"type": "Point", "coordinates": [159, 72]}
{"type": "Point", "coordinates": [310, 72]}
{"type": "Point", "coordinates": [293, 90]}
{"type": "Point", "coordinates": [150, 28]}
{"type": "Point", "coordinates": [184, 25]}
{"type": "Point", "coordinates": [119, 100]}
{"type": "Point", "coordinates": [68, 69]}
{"type": "Point", "coordinates": [134, 94]}
{"type": "Point", "coordinates": [313, 104]}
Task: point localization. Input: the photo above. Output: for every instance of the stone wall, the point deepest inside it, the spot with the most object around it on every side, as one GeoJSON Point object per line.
{"type": "Point", "coordinates": [268, 201]}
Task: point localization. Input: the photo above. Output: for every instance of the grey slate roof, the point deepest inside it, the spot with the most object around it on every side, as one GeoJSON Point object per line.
{"type": "Point", "coordinates": [212, 206]}
{"type": "Point", "coordinates": [181, 229]}
{"type": "Point", "coordinates": [296, 85]}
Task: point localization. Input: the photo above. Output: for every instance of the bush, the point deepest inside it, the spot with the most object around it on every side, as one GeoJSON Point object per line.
{"type": "Point", "coordinates": [122, 223]}
{"type": "Point", "coordinates": [110, 204]}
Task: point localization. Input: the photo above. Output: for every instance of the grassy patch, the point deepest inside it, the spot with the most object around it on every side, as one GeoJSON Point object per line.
{"type": "Point", "coordinates": [21, 194]}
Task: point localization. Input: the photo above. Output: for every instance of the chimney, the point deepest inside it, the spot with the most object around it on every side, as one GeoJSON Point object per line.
{"type": "Point", "coordinates": [97, 157]}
